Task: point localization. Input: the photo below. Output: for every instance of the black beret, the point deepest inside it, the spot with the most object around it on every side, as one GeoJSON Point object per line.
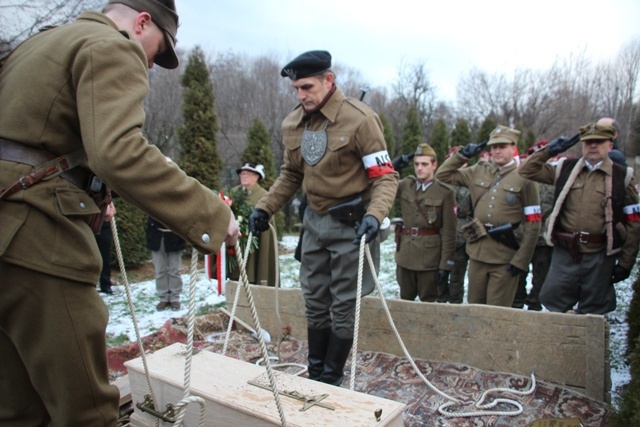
{"type": "Point", "coordinates": [307, 64]}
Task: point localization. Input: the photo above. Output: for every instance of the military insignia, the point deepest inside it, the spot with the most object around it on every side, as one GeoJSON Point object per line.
{"type": "Point", "coordinates": [431, 217]}
{"type": "Point", "coordinates": [419, 151]}
{"type": "Point", "coordinates": [290, 73]}
{"type": "Point", "coordinates": [314, 145]}
{"type": "Point", "coordinates": [592, 129]}
{"type": "Point", "coordinates": [511, 198]}
{"type": "Point", "coordinates": [498, 129]}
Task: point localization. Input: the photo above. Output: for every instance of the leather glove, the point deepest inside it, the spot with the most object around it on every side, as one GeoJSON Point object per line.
{"type": "Point", "coordinates": [368, 227]}
{"type": "Point", "coordinates": [562, 144]}
{"type": "Point", "coordinates": [514, 270]}
{"type": "Point", "coordinates": [442, 277]}
{"type": "Point", "coordinates": [402, 161]}
{"type": "Point", "coordinates": [471, 150]}
{"type": "Point", "coordinates": [619, 274]}
{"type": "Point", "coordinates": [258, 221]}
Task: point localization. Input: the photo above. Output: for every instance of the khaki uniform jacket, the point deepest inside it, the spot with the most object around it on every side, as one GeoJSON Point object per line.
{"type": "Point", "coordinates": [424, 253]}
{"type": "Point", "coordinates": [583, 210]}
{"type": "Point", "coordinates": [353, 131]}
{"type": "Point", "coordinates": [503, 203]}
{"type": "Point", "coordinates": [83, 85]}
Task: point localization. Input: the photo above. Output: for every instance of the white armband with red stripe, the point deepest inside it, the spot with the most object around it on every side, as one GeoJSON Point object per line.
{"type": "Point", "coordinates": [532, 213]}
{"type": "Point", "coordinates": [632, 213]}
{"type": "Point", "coordinates": [377, 164]}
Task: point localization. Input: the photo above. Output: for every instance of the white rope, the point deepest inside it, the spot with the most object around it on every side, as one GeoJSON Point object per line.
{"type": "Point", "coordinates": [453, 401]}
{"type": "Point", "coordinates": [116, 242]}
{"type": "Point", "coordinates": [356, 326]}
{"type": "Point", "coordinates": [181, 407]}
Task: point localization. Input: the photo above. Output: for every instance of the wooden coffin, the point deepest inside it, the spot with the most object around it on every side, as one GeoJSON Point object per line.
{"type": "Point", "coordinates": [232, 401]}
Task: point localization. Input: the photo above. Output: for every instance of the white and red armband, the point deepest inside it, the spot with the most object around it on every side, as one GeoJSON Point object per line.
{"type": "Point", "coordinates": [532, 213]}
{"type": "Point", "coordinates": [632, 213]}
{"type": "Point", "coordinates": [378, 164]}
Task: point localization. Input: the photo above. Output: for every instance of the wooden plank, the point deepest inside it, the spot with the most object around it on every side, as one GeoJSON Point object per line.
{"type": "Point", "coordinates": [231, 401]}
{"type": "Point", "coordinates": [565, 349]}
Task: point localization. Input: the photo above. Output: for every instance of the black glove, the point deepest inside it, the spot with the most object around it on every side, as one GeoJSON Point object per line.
{"type": "Point", "coordinates": [402, 161]}
{"type": "Point", "coordinates": [514, 270]}
{"type": "Point", "coordinates": [258, 221]}
{"type": "Point", "coordinates": [619, 274]}
{"type": "Point", "coordinates": [369, 226]}
{"type": "Point", "coordinates": [471, 150]}
{"type": "Point", "coordinates": [442, 277]}
{"type": "Point", "coordinates": [562, 144]}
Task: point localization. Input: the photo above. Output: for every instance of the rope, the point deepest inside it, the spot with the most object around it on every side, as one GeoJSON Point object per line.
{"type": "Point", "coordinates": [453, 401]}
{"type": "Point", "coordinates": [356, 326]}
{"type": "Point", "coordinates": [182, 405]}
{"type": "Point", "coordinates": [116, 242]}
{"type": "Point", "coordinates": [242, 262]}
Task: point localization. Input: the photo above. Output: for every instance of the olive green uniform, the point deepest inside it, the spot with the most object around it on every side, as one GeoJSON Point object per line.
{"type": "Point", "coordinates": [329, 259]}
{"type": "Point", "coordinates": [454, 292]}
{"type": "Point", "coordinates": [420, 256]}
{"type": "Point", "coordinates": [506, 202]}
{"type": "Point", "coordinates": [80, 85]}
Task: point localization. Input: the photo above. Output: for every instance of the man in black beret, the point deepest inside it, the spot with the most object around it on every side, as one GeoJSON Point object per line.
{"type": "Point", "coordinates": [335, 150]}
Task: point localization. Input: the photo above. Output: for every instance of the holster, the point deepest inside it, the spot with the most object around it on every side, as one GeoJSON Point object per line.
{"type": "Point", "coordinates": [348, 213]}
{"type": "Point", "coordinates": [398, 235]}
{"type": "Point", "coordinates": [101, 194]}
{"type": "Point", "coordinates": [504, 234]}
{"type": "Point", "coordinates": [473, 230]}
{"type": "Point", "coordinates": [568, 241]}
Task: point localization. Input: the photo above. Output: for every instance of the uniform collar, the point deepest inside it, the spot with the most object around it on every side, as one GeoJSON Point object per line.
{"type": "Point", "coordinates": [606, 166]}
{"type": "Point", "coordinates": [97, 17]}
{"type": "Point", "coordinates": [329, 110]}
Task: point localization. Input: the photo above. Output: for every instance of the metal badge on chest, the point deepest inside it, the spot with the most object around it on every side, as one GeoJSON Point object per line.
{"type": "Point", "coordinates": [314, 144]}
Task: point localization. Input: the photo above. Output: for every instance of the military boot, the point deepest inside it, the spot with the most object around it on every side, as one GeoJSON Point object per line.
{"type": "Point", "coordinates": [335, 360]}
{"type": "Point", "coordinates": [318, 341]}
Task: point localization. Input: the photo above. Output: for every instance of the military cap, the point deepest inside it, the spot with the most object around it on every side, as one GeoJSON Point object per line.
{"type": "Point", "coordinates": [595, 131]}
{"type": "Point", "coordinates": [252, 167]}
{"type": "Point", "coordinates": [503, 135]}
{"type": "Point", "coordinates": [307, 64]}
{"type": "Point", "coordinates": [425, 150]}
{"type": "Point", "coordinates": [164, 15]}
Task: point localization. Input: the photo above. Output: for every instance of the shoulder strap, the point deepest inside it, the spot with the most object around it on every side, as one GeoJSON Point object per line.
{"type": "Point", "coordinates": [493, 184]}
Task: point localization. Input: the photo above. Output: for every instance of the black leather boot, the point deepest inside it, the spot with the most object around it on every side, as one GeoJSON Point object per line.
{"type": "Point", "coordinates": [335, 359]}
{"type": "Point", "coordinates": [318, 341]}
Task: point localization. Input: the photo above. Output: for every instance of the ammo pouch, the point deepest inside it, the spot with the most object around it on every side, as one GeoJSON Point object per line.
{"type": "Point", "coordinates": [473, 230]}
{"type": "Point", "coordinates": [568, 241]}
{"type": "Point", "coordinates": [348, 213]}
{"type": "Point", "coordinates": [504, 234]}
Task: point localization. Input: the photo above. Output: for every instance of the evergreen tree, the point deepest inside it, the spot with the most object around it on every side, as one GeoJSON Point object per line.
{"type": "Point", "coordinates": [526, 141]}
{"type": "Point", "coordinates": [199, 156]}
{"type": "Point", "coordinates": [259, 151]}
{"type": "Point", "coordinates": [388, 135]}
{"type": "Point", "coordinates": [461, 134]}
{"type": "Point", "coordinates": [411, 137]}
{"type": "Point", "coordinates": [488, 125]}
{"type": "Point", "coordinates": [440, 140]}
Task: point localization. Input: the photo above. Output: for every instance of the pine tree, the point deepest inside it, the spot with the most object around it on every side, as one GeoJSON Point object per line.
{"type": "Point", "coordinates": [461, 134]}
{"type": "Point", "coordinates": [411, 137]}
{"type": "Point", "coordinates": [388, 135]}
{"type": "Point", "coordinates": [440, 140]}
{"type": "Point", "coordinates": [259, 151]}
{"type": "Point", "coordinates": [488, 125]}
{"type": "Point", "coordinates": [199, 156]}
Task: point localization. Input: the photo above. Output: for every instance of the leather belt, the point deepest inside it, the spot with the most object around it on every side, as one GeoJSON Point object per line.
{"type": "Point", "coordinates": [20, 153]}
{"type": "Point", "coordinates": [416, 231]}
{"type": "Point", "coordinates": [585, 237]}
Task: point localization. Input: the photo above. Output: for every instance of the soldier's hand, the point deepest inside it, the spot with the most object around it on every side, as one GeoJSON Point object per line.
{"type": "Point", "coordinates": [233, 232]}
{"type": "Point", "coordinates": [369, 228]}
{"type": "Point", "coordinates": [471, 150]}
{"type": "Point", "coordinates": [442, 277]}
{"type": "Point", "coordinates": [513, 270]}
{"type": "Point", "coordinates": [619, 274]}
{"type": "Point", "coordinates": [258, 221]}
{"type": "Point", "coordinates": [402, 161]}
{"type": "Point", "coordinates": [562, 144]}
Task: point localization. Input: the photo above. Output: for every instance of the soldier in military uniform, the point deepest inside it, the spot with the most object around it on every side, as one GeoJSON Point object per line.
{"type": "Point", "coordinates": [503, 234]}
{"type": "Point", "coordinates": [425, 254]}
{"type": "Point", "coordinates": [594, 225]}
{"type": "Point", "coordinates": [70, 93]}
{"type": "Point", "coordinates": [335, 150]}
{"type": "Point", "coordinates": [453, 291]}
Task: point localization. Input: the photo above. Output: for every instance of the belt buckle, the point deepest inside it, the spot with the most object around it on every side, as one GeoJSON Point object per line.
{"type": "Point", "coordinates": [583, 237]}
{"type": "Point", "coordinates": [414, 232]}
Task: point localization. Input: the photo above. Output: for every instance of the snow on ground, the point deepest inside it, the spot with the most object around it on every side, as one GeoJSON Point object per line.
{"type": "Point", "coordinates": [120, 327]}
